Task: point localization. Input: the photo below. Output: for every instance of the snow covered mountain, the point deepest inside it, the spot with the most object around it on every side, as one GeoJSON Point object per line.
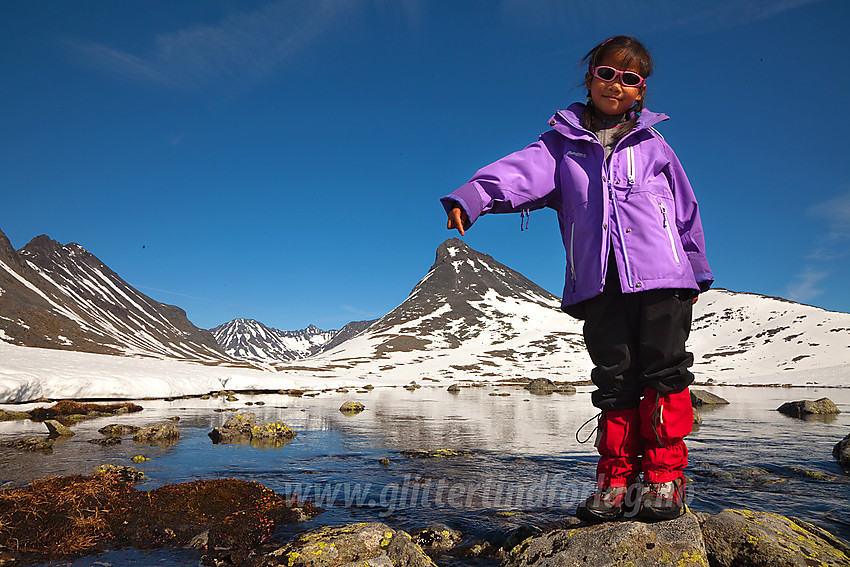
{"type": "Point", "coordinates": [473, 318]}
{"type": "Point", "coordinates": [62, 297]}
{"type": "Point", "coordinates": [251, 340]}
{"type": "Point", "coordinates": [248, 339]}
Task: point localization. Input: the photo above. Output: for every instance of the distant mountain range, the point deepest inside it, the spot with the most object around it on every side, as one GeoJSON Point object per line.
{"type": "Point", "coordinates": [470, 317]}
{"type": "Point", "coordinates": [248, 339]}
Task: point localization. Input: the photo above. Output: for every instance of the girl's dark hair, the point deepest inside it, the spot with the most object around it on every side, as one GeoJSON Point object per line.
{"type": "Point", "coordinates": [630, 51]}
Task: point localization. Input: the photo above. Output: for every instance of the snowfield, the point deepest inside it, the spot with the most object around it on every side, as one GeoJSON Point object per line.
{"type": "Point", "coordinates": [737, 339]}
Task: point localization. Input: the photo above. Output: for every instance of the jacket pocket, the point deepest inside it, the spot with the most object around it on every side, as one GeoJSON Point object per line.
{"type": "Point", "coordinates": [572, 254]}
{"type": "Point", "coordinates": [669, 231]}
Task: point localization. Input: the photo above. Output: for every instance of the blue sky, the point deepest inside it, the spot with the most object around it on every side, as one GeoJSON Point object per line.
{"type": "Point", "coordinates": [283, 160]}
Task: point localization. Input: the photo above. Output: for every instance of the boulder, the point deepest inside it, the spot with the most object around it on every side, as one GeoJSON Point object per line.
{"type": "Point", "coordinates": [237, 429]}
{"type": "Point", "coordinates": [703, 398]}
{"type": "Point", "coordinates": [364, 545]}
{"type": "Point", "coordinates": [541, 386]}
{"type": "Point", "coordinates": [164, 434]}
{"type": "Point", "coordinates": [56, 429]}
{"type": "Point", "coordinates": [454, 388]}
{"type": "Point", "coordinates": [118, 429]}
{"type": "Point", "coordinates": [742, 538]}
{"type": "Point", "coordinates": [568, 389]}
{"type": "Point", "coordinates": [675, 542]}
{"type": "Point", "coordinates": [274, 434]}
{"type": "Point", "coordinates": [841, 452]}
{"type": "Point", "coordinates": [352, 407]}
{"type": "Point", "coordinates": [823, 406]}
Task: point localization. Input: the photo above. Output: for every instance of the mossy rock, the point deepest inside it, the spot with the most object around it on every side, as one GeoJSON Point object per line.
{"type": "Point", "coordinates": [437, 537]}
{"type": "Point", "coordinates": [743, 538]}
{"type": "Point", "coordinates": [125, 473]}
{"type": "Point", "coordinates": [636, 544]}
{"type": "Point", "coordinates": [435, 453]}
{"type": "Point", "coordinates": [802, 408]}
{"type": "Point", "coordinates": [365, 544]}
{"type": "Point", "coordinates": [56, 429]}
{"type": "Point", "coordinates": [118, 429]}
{"type": "Point", "coordinates": [352, 407]}
{"type": "Point", "coordinates": [13, 415]}
{"type": "Point", "coordinates": [162, 435]}
{"type": "Point", "coordinates": [274, 434]}
{"type": "Point", "coordinates": [454, 389]}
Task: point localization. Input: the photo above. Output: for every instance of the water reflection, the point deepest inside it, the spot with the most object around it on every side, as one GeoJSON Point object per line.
{"type": "Point", "coordinates": [518, 461]}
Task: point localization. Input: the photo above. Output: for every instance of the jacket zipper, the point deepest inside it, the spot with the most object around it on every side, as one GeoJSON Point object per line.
{"type": "Point", "coordinates": [669, 232]}
{"type": "Point", "coordinates": [572, 254]}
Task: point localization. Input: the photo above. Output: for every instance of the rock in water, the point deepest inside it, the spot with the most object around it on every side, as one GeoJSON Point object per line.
{"type": "Point", "coordinates": [164, 434]}
{"type": "Point", "coordinates": [703, 398]}
{"type": "Point", "coordinates": [540, 386]}
{"type": "Point", "coordinates": [841, 452]}
{"type": "Point", "coordinates": [742, 538]}
{"type": "Point", "coordinates": [352, 407]}
{"type": "Point", "coordinates": [56, 429]}
{"type": "Point", "coordinates": [368, 544]}
{"type": "Point", "coordinates": [823, 406]}
{"type": "Point", "coordinates": [237, 429]}
{"type": "Point", "coordinates": [675, 542]}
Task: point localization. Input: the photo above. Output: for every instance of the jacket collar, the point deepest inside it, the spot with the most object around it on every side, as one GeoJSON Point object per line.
{"type": "Point", "coordinates": [568, 121]}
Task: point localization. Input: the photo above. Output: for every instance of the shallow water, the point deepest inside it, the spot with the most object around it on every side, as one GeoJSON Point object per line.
{"type": "Point", "coordinates": [525, 467]}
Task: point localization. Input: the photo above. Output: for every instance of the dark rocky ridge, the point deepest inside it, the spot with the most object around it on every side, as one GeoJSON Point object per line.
{"type": "Point", "coordinates": [63, 297]}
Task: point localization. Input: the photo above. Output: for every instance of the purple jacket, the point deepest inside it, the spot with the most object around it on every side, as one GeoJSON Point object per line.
{"type": "Point", "coordinates": [641, 205]}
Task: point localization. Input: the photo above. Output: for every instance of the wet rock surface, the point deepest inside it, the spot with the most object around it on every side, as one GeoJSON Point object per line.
{"type": "Point", "coordinates": [243, 428]}
{"type": "Point", "coordinates": [676, 542]}
{"type": "Point", "coordinates": [374, 544]}
{"type": "Point", "coordinates": [742, 538]}
{"type": "Point", "coordinates": [118, 429]}
{"type": "Point", "coordinates": [436, 538]}
{"type": "Point", "coordinates": [162, 435]}
{"type": "Point", "coordinates": [841, 452]}
{"type": "Point", "coordinates": [802, 408]}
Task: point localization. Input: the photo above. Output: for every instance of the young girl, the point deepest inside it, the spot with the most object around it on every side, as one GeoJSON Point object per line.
{"type": "Point", "coordinates": [635, 264]}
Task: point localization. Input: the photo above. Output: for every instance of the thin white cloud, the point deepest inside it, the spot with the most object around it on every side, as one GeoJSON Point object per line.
{"type": "Point", "coordinates": [831, 249]}
{"type": "Point", "coordinates": [241, 50]}
{"type": "Point", "coordinates": [806, 287]}
{"type": "Point", "coordinates": [835, 214]}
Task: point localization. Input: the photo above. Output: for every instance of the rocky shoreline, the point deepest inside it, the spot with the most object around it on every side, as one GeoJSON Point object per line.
{"type": "Point", "coordinates": [234, 522]}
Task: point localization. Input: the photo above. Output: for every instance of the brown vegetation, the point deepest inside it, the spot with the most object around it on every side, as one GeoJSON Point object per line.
{"type": "Point", "coordinates": [70, 516]}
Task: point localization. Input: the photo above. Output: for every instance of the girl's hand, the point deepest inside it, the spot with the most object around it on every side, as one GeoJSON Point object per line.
{"type": "Point", "coordinates": [457, 219]}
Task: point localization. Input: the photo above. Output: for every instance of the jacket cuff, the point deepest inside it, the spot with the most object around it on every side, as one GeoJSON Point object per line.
{"type": "Point", "coordinates": [468, 198]}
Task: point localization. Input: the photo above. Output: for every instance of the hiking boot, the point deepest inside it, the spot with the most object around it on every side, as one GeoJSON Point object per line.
{"type": "Point", "coordinates": [662, 500]}
{"type": "Point", "coordinates": [604, 505]}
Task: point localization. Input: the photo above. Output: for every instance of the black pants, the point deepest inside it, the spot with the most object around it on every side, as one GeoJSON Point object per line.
{"type": "Point", "coordinates": [637, 341]}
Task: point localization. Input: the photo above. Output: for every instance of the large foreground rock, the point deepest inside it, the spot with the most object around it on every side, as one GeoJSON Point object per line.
{"type": "Point", "coordinates": [742, 538]}
{"type": "Point", "coordinates": [367, 545]}
{"type": "Point", "coordinates": [677, 542]}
